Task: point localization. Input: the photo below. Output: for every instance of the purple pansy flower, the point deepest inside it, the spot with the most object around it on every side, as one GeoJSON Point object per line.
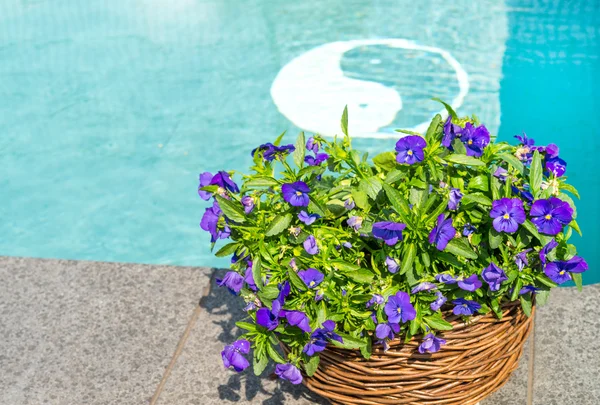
{"type": "Point", "coordinates": [470, 283]}
{"type": "Point", "coordinates": [307, 218]}
{"type": "Point", "coordinates": [546, 250]}
{"type": "Point", "coordinates": [386, 330]}
{"type": "Point", "coordinates": [494, 276]}
{"type": "Point", "coordinates": [316, 160]}
{"type": "Point", "coordinates": [410, 149]}
{"type": "Point", "coordinates": [455, 197]}
{"type": "Point", "coordinates": [389, 232]}
{"type": "Point", "coordinates": [312, 145]}
{"type": "Point", "coordinates": [249, 279]}
{"type": "Point", "coordinates": [501, 174]}
{"type": "Point", "coordinates": [299, 319]}
{"type": "Point", "coordinates": [551, 151]}
{"type": "Point", "coordinates": [296, 194]}
{"type": "Point", "coordinates": [528, 289]}
{"type": "Point", "coordinates": [526, 141]}
{"type": "Point", "coordinates": [439, 301]}
{"type": "Point", "coordinates": [521, 259]}
{"type": "Point", "coordinates": [445, 278]}
{"type": "Point", "coordinates": [524, 194]}
{"type": "Point", "coordinates": [465, 307]}
{"type": "Point", "coordinates": [231, 280]}
{"type": "Point", "coordinates": [319, 338]}
{"type": "Point", "coordinates": [450, 132]}
{"type": "Point", "coordinates": [205, 179]}
{"type": "Point", "coordinates": [508, 214]}
{"type": "Point", "coordinates": [468, 229]}
{"type": "Point", "coordinates": [210, 223]}
{"type": "Point", "coordinates": [355, 222]}
{"type": "Point", "coordinates": [248, 203]}
{"type": "Point", "coordinates": [347, 245]}
{"type": "Point", "coordinates": [399, 308]}
{"type": "Point", "coordinates": [271, 151]}
{"type": "Point", "coordinates": [551, 215]}
{"type": "Point", "coordinates": [310, 245]}
{"type": "Point", "coordinates": [392, 264]}
{"type": "Point", "coordinates": [556, 166]}
{"type": "Point", "coordinates": [560, 271]}
{"type": "Point", "coordinates": [223, 180]}
{"type": "Point", "coordinates": [424, 286]}
{"type": "Point", "coordinates": [289, 372]}
{"type": "Point", "coordinates": [442, 233]}
{"type": "Point", "coordinates": [311, 277]}
{"type": "Point", "coordinates": [349, 204]}
{"type": "Point", "coordinates": [475, 139]}
{"type": "Point", "coordinates": [375, 299]}
{"type": "Point", "coordinates": [267, 319]}
{"type": "Point", "coordinates": [431, 344]}
{"type": "Point", "coordinates": [232, 355]}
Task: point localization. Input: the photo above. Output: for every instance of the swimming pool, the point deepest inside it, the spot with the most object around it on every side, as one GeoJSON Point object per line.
{"type": "Point", "coordinates": [111, 109]}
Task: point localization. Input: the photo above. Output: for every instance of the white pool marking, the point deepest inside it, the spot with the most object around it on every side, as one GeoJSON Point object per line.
{"type": "Point", "coordinates": [311, 91]}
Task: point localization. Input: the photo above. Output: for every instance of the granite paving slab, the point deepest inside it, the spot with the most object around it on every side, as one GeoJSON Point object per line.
{"type": "Point", "coordinates": [567, 348]}
{"type": "Point", "coordinates": [75, 332]}
{"type": "Point", "coordinates": [199, 378]}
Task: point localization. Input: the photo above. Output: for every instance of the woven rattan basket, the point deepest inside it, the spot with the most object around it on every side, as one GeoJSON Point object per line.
{"type": "Point", "coordinates": [477, 359]}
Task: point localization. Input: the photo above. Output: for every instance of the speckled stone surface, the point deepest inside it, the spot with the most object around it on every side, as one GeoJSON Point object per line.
{"type": "Point", "coordinates": [90, 333]}
{"type": "Point", "coordinates": [199, 377]}
{"type": "Point", "coordinates": [567, 348]}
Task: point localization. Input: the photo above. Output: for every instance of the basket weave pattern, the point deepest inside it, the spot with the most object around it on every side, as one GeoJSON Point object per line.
{"type": "Point", "coordinates": [477, 359]}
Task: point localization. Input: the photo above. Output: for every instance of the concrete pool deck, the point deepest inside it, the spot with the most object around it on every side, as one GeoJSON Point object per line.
{"type": "Point", "coordinates": [75, 332]}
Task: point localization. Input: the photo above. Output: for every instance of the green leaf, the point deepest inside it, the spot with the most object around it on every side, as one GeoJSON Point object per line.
{"type": "Point", "coordinates": [362, 276]}
{"type": "Point", "coordinates": [316, 207]}
{"type": "Point", "coordinates": [361, 199]}
{"type": "Point", "coordinates": [569, 200]}
{"type": "Point", "coordinates": [450, 110]}
{"type": "Point", "coordinates": [417, 196]}
{"type": "Point", "coordinates": [261, 181]}
{"type": "Point", "coordinates": [495, 238]}
{"type": "Point", "coordinates": [573, 224]}
{"type": "Point", "coordinates": [434, 129]}
{"type": "Point", "coordinates": [398, 202]}
{"type": "Point", "coordinates": [296, 280]}
{"type": "Point", "coordinates": [274, 354]}
{"type": "Point", "coordinates": [535, 173]}
{"type": "Point", "coordinates": [516, 290]}
{"type": "Point", "coordinates": [526, 304]}
{"type": "Point", "coordinates": [578, 279]}
{"type": "Point", "coordinates": [344, 266]}
{"type": "Point", "coordinates": [367, 350]}
{"type": "Point", "coordinates": [437, 322]}
{"type": "Point", "coordinates": [268, 292]}
{"type": "Point", "coordinates": [461, 247]}
{"type": "Point", "coordinates": [311, 365]}
{"type": "Point", "coordinates": [513, 161]}
{"type": "Point", "coordinates": [394, 176]}
{"type": "Point", "coordinates": [299, 151]}
{"type": "Point", "coordinates": [385, 160]}
{"type": "Point", "coordinates": [279, 224]}
{"type": "Point", "coordinates": [232, 210]}
{"type": "Point", "coordinates": [371, 186]}
{"type": "Point", "coordinates": [345, 121]}
{"type": "Point", "coordinates": [459, 147]}
{"type": "Point", "coordinates": [408, 258]}
{"type": "Point", "coordinates": [533, 230]}
{"type": "Point", "coordinates": [542, 297]}
{"type": "Point", "coordinates": [279, 138]}
{"type": "Point", "coordinates": [256, 272]}
{"type": "Point", "coordinates": [349, 342]}
{"type": "Point", "coordinates": [463, 160]}
{"type": "Point", "coordinates": [228, 249]}
{"type": "Point", "coordinates": [480, 182]}
{"type": "Point", "coordinates": [259, 364]}
{"type": "Point", "coordinates": [478, 198]}
{"type": "Point", "coordinates": [246, 326]}
{"type": "Point", "coordinates": [570, 189]}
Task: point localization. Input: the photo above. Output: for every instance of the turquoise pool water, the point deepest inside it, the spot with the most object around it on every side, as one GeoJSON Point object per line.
{"type": "Point", "coordinates": [109, 110]}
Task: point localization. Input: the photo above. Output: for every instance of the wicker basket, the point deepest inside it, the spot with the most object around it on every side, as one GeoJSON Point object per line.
{"type": "Point", "coordinates": [477, 359]}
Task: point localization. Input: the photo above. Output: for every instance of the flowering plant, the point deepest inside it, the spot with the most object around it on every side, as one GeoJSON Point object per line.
{"type": "Point", "coordinates": [342, 251]}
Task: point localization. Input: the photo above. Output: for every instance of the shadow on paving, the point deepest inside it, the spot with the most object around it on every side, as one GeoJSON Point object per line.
{"type": "Point", "coordinates": [227, 309]}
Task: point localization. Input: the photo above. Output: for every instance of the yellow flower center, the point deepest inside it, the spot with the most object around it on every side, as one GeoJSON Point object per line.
{"type": "Point", "coordinates": [409, 153]}
{"type": "Point", "coordinates": [548, 216]}
{"type": "Point", "coordinates": [311, 284]}
{"type": "Point", "coordinates": [562, 273]}
{"type": "Point", "coordinates": [298, 193]}
{"type": "Point", "coordinates": [506, 216]}
{"type": "Point", "coordinates": [399, 310]}
{"type": "Point", "coordinates": [470, 142]}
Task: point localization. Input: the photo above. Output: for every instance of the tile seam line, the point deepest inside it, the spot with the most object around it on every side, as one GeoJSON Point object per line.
{"type": "Point", "coordinates": [180, 344]}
